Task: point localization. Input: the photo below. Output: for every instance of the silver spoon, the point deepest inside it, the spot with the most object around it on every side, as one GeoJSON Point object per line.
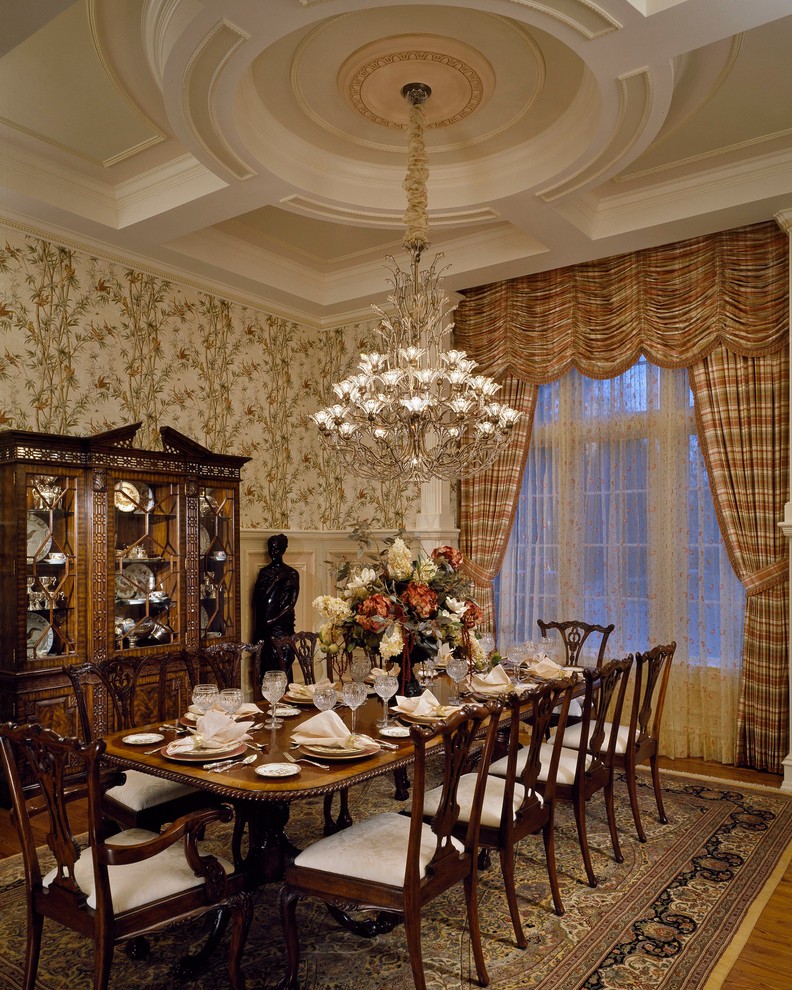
{"type": "Point", "coordinates": [303, 759]}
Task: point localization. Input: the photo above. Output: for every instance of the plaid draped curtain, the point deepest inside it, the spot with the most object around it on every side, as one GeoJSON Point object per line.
{"type": "Point", "coordinates": [682, 305]}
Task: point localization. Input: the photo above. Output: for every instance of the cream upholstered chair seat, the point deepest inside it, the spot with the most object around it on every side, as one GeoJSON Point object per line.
{"type": "Point", "coordinates": [136, 884]}
{"type": "Point", "coordinates": [572, 736]}
{"type": "Point", "coordinates": [567, 762]}
{"type": "Point", "coordinates": [141, 791]}
{"type": "Point", "coordinates": [492, 807]}
{"type": "Point", "coordinates": [374, 849]}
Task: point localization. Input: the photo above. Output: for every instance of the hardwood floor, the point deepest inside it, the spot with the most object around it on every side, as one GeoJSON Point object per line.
{"type": "Point", "coordinates": [765, 962]}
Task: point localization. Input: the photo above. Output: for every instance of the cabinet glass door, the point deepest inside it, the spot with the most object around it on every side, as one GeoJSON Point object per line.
{"type": "Point", "coordinates": [147, 559]}
{"type": "Point", "coordinates": [50, 585]}
{"type": "Point", "coordinates": [217, 566]}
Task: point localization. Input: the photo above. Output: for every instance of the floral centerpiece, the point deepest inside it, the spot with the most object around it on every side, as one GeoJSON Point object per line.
{"type": "Point", "coordinates": [395, 604]}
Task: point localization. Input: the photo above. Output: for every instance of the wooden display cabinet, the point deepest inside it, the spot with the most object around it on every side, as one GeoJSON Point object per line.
{"type": "Point", "coordinates": [105, 549]}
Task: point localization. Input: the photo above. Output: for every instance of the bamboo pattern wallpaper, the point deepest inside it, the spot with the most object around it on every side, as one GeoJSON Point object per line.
{"type": "Point", "coordinates": [88, 343]}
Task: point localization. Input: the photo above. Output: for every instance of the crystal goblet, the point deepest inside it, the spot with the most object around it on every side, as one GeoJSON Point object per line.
{"type": "Point", "coordinates": [204, 697]}
{"type": "Point", "coordinates": [457, 669]}
{"type": "Point", "coordinates": [325, 697]}
{"type": "Point", "coordinates": [273, 687]}
{"type": "Point", "coordinates": [354, 694]}
{"type": "Point", "coordinates": [230, 700]}
{"type": "Point", "coordinates": [386, 685]}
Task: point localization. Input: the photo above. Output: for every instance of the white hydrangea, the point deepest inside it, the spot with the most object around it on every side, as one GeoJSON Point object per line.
{"type": "Point", "coordinates": [400, 562]}
{"type": "Point", "coordinates": [392, 643]}
{"type": "Point", "coordinates": [334, 609]}
{"type": "Point", "coordinates": [425, 570]}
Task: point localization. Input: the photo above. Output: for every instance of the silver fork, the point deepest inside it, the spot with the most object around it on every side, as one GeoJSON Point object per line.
{"type": "Point", "coordinates": [303, 759]}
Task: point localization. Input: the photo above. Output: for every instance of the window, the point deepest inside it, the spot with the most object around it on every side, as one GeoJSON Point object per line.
{"type": "Point", "coordinates": [615, 522]}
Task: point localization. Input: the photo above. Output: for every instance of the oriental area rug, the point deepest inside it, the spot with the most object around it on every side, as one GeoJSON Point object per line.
{"type": "Point", "coordinates": [661, 920]}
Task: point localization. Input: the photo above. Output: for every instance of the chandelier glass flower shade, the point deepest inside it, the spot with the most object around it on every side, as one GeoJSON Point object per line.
{"type": "Point", "coordinates": [414, 410]}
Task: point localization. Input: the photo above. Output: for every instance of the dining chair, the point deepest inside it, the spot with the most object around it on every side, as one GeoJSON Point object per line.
{"type": "Point", "coordinates": [513, 807]}
{"type": "Point", "coordinates": [300, 646]}
{"type": "Point", "coordinates": [587, 767]}
{"type": "Point", "coordinates": [221, 663]}
{"type": "Point", "coordinates": [394, 864]}
{"type": "Point", "coordinates": [638, 741]}
{"type": "Point", "coordinates": [574, 634]}
{"type": "Point", "coordinates": [132, 690]}
{"type": "Point", "coordinates": [113, 889]}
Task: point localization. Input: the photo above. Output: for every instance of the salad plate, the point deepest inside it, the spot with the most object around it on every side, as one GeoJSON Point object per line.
{"type": "Point", "coordinates": [143, 738]}
{"type": "Point", "coordinates": [277, 770]}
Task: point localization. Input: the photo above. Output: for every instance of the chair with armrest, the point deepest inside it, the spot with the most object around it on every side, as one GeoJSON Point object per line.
{"type": "Point", "coordinates": [143, 800]}
{"type": "Point", "coordinates": [637, 742]}
{"type": "Point", "coordinates": [588, 767]}
{"type": "Point", "coordinates": [513, 807]}
{"type": "Point", "coordinates": [394, 864]}
{"type": "Point", "coordinates": [117, 888]}
{"type": "Point", "coordinates": [574, 634]}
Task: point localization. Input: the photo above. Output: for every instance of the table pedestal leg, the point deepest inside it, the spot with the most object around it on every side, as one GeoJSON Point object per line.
{"type": "Point", "coordinates": [269, 850]}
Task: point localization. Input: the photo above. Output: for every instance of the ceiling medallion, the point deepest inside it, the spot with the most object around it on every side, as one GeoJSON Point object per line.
{"type": "Point", "coordinates": [414, 410]}
{"type": "Point", "coordinates": [473, 85]}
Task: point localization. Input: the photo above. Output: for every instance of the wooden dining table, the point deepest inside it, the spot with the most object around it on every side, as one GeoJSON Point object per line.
{"type": "Point", "coordinates": [262, 803]}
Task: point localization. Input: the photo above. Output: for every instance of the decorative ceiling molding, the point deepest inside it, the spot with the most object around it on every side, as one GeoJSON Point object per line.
{"type": "Point", "coordinates": [635, 91]}
{"type": "Point", "coordinates": [326, 211]}
{"type": "Point", "coordinates": [586, 18]}
{"type": "Point", "coordinates": [199, 90]}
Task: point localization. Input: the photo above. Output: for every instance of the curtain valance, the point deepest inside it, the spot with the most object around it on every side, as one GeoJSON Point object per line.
{"type": "Point", "coordinates": [675, 304]}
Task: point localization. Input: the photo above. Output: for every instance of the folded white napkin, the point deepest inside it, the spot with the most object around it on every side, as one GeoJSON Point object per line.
{"type": "Point", "coordinates": [306, 691]}
{"type": "Point", "coordinates": [545, 667]}
{"type": "Point", "coordinates": [212, 730]}
{"type": "Point", "coordinates": [380, 671]}
{"type": "Point", "coordinates": [248, 709]}
{"type": "Point", "coordinates": [324, 729]}
{"type": "Point", "coordinates": [424, 704]}
{"type": "Point", "coordinates": [497, 681]}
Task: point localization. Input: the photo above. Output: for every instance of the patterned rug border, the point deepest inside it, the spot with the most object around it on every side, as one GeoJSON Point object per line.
{"type": "Point", "coordinates": [740, 938]}
{"type": "Point", "coordinates": [771, 788]}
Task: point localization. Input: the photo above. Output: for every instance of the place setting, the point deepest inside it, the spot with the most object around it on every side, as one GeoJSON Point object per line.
{"type": "Point", "coordinates": [425, 708]}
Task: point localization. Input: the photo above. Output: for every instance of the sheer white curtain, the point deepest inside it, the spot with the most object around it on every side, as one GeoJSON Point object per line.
{"type": "Point", "coordinates": [616, 524]}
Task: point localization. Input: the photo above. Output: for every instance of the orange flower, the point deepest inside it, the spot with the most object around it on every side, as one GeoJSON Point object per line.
{"type": "Point", "coordinates": [450, 555]}
{"type": "Point", "coordinates": [421, 599]}
{"type": "Point", "coordinates": [373, 612]}
{"type": "Point", "coordinates": [472, 615]}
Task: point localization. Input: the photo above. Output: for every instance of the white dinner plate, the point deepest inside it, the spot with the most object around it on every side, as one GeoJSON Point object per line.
{"type": "Point", "coordinates": [39, 538]}
{"type": "Point", "coordinates": [205, 755]}
{"type": "Point", "coordinates": [143, 738]}
{"type": "Point", "coordinates": [278, 769]}
{"type": "Point", "coordinates": [39, 635]}
{"type": "Point", "coordinates": [135, 581]}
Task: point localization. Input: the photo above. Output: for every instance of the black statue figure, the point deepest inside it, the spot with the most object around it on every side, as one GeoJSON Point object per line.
{"type": "Point", "coordinates": [274, 598]}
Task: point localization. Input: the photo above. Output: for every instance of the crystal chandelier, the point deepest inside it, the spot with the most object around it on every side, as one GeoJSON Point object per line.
{"type": "Point", "coordinates": [414, 410]}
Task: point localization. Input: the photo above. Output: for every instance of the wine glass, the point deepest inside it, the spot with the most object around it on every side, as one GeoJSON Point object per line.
{"type": "Point", "coordinates": [230, 700]}
{"type": "Point", "coordinates": [360, 668]}
{"type": "Point", "coordinates": [354, 694]}
{"type": "Point", "coordinates": [386, 685]}
{"type": "Point", "coordinates": [457, 669]}
{"type": "Point", "coordinates": [204, 697]}
{"type": "Point", "coordinates": [325, 697]}
{"type": "Point", "coordinates": [273, 687]}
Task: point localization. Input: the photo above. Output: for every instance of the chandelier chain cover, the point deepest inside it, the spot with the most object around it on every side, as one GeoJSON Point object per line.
{"type": "Point", "coordinates": [414, 410]}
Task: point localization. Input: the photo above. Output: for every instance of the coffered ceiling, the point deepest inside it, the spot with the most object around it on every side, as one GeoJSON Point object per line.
{"type": "Point", "coordinates": [258, 145]}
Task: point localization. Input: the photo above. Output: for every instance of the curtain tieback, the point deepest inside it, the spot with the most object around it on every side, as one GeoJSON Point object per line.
{"type": "Point", "coordinates": [477, 574]}
{"type": "Point", "coordinates": [767, 578]}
